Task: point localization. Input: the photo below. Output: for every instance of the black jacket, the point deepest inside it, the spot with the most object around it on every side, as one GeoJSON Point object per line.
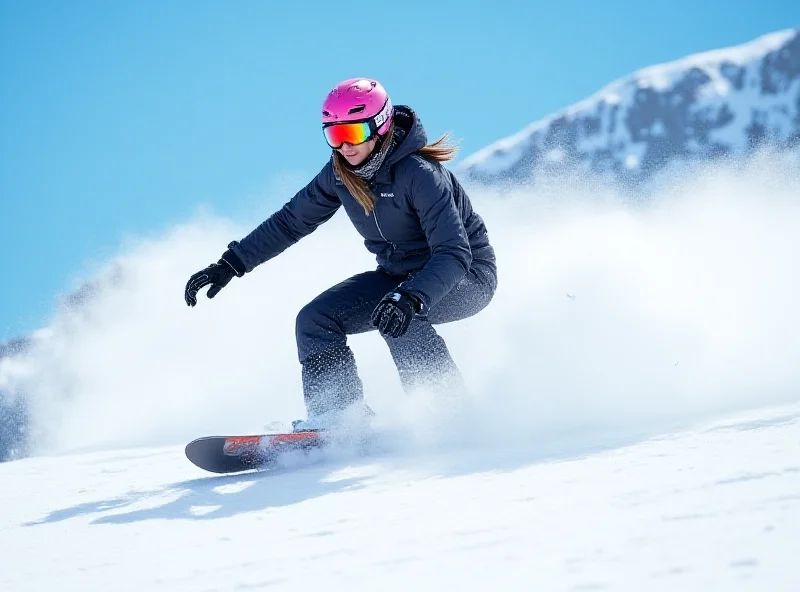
{"type": "Point", "coordinates": [422, 227]}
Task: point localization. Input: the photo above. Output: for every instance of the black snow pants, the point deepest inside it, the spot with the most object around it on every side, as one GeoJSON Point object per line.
{"type": "Point", "coordinates": [330, 377]}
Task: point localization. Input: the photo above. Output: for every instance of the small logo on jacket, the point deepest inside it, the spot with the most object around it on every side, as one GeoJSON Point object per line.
{"type": "Point", "coordinates": [387, 194]}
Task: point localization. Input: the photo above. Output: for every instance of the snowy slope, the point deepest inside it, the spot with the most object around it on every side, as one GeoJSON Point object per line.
{"type": "Point", "coordinates": [715, 508]}
{"type": "Point", "coordinates": [724, 102]}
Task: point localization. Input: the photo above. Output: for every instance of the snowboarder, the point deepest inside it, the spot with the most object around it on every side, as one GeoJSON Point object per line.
{"type": "Point", "coordinates": [435, 263]}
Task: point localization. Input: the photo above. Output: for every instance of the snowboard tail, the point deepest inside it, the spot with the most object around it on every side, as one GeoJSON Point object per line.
{"type": "Point", "coordinates": [231, 454]}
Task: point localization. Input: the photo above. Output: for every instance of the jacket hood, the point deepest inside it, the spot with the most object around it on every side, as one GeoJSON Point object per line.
{"type": "Point", "coordinates": [409, 134]}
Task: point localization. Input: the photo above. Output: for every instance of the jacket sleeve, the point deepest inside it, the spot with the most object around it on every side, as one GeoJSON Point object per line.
{"type": "Point", "coordinates": [300, 216]}
{"type": "Point", "coordinates": [431, 195]}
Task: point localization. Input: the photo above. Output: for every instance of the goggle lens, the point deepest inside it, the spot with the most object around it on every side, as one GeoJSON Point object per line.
{"type": "Point", "coordinates": [350, 133]}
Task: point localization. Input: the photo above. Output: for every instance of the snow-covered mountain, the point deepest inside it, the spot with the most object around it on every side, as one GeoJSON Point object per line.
{"type": "Point", "coordinates": [726, 102]}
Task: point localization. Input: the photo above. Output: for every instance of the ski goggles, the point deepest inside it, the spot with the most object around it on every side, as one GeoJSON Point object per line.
{"type": "Point", "coordinates": [356, 132]}
{"type": "Point", "coordinates": [337, 134]}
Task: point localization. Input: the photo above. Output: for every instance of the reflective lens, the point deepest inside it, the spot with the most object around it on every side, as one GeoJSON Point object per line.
{"type": "Point", "coordinates": [351, 133]}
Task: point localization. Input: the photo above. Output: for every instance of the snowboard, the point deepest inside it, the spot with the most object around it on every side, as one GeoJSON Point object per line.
{"type": "Point", "coordinates": [231, 454]}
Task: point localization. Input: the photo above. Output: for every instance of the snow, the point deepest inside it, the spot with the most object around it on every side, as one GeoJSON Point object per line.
{"type": "Point", "coordinates": [504, 153]}
{"type": "Point", "coordinates": [631, 161]}
{"type": "Point", "coordinates": [662, 76]}
{"type": "Point", "coordinates": [555, 155]}
{"type": "Point", "coordinates": [717, 507]}
{"type": "Point", "coordinates": [742, 105]}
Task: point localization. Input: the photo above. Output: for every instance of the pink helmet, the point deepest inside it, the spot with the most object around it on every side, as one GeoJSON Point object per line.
{"type": "Point", "coordinates": [359, 99]}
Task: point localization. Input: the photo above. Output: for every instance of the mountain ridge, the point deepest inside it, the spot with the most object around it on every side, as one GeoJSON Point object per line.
{"type": "Point", "coordinates": [724, 102]}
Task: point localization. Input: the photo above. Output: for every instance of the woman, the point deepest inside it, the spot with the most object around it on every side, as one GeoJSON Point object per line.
{"type": "Point", "coordinates": [435, 263]}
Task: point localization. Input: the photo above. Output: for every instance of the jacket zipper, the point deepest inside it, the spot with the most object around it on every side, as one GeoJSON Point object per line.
{"type": "Point", "coordinates": [378, 225]}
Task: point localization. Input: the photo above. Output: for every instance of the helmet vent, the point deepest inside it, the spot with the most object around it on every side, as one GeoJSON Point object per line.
{"type": "Point", "coordinates": [357, 109]}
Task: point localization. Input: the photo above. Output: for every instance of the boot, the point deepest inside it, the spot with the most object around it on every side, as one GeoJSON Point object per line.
{"type": "Point", "coordinates": [355, 418]}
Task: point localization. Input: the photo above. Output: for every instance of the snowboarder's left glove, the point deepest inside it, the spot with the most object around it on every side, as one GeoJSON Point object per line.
{"type": "Point", "coordinates": [217, 274]}
{"type": "Point", "coordinates": [395, 312]}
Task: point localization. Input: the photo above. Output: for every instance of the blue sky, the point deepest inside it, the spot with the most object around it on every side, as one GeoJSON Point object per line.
{"type": "Point", "coordinates": [122, 118]}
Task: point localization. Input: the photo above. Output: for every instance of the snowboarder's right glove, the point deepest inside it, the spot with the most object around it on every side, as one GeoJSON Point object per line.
{"type": "Point", "coordinates": [217, 274]}
{"type": "Point", "coordinates": [394, 313]}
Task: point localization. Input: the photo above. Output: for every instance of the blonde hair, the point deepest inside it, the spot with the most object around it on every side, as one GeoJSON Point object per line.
{"type": "Point", "coordinates": [441, 151]}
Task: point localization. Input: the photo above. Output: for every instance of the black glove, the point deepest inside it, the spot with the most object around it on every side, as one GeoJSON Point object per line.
{"type": "Point", "coordinates": [395, 312]}
{"type": "Point", "coordinates": [217, 274]}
